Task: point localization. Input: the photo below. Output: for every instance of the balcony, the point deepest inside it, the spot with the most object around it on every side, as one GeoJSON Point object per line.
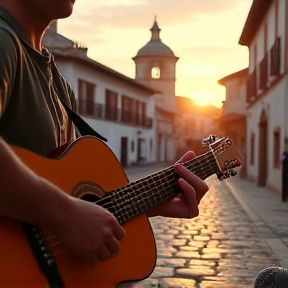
{"type": "Point", "coordinates": [265, 75]}
{"type": "Point", "coordinates": [101, 111]}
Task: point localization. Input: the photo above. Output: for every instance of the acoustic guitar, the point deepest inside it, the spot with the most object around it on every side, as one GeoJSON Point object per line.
{"type": "Point", "coordinates": [88, 169]}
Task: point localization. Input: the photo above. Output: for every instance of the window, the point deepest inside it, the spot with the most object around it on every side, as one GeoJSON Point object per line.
{"type": "Point", "coordinates": [276, 18]}
{"type": "Point", "coordinates": [252, 144]}
{"type": "Point", "coordinates": [140, 113]}
{"type": "Point", "coordinates": [127, 107]}
{"type": "Point", "coordinates": [155, 73]}
{"type": "Point", "coordinates": [276, 144]}
{"type": "Point", "coordinates": [111, 105]}
{"type": "Point", "coordinates": [255, 57]}
{"type": "Point", "coordinates": [86, 97]}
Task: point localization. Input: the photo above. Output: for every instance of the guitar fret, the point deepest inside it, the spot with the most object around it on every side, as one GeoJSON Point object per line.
{"type": "Point", "coordinates": [140, 196]}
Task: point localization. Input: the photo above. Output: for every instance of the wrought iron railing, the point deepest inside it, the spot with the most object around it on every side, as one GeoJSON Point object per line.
{"type": "Point", "coordinates": [96, 110]}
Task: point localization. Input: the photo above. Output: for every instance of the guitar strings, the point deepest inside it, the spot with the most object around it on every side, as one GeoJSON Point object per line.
{"type": "Point", "coordinates": [168, 172]}
{"type": "Point", "coordinates": [136, 203]}
{"type": "Point", "coordinates": [157, 174]}
{"type": "Point", "coordinates": [132, 185]}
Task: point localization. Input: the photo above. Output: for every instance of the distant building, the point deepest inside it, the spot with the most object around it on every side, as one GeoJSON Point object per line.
{"type": "Point", "coordinates": [194, 123]}
{"type": "Point", "coordinates": [156, 67]}
{"type": "Point", "coordinates": [265, 33]}
{"type": "Point", "coordinates": [142, 118]}
{"type": "Point", "coordinates": [232, 122]}
{"type": "Point", "coordinates": [116, 106]}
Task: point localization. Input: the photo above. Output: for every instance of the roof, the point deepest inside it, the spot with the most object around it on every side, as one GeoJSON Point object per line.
{"type": "Point", "coordinates": [241, 73]}
{"type": "Point", "coordinates": [67, 55]}
{"type": "Point", "coordinates": [186, 105]}
{"type": "Point", "coordinates": [155, 46]}
{"type": "Point", "coordinates": [64, 49]}
{"type": "Point", "coordinates": [256, 14]}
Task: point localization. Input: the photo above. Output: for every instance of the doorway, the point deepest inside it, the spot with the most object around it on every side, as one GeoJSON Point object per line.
{"type": "Point", "coordinates": [124, 151]}
{"type": "Point", "coordinates": [263, 150]}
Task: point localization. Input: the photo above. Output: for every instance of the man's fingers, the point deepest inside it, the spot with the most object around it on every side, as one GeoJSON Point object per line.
{"type": "Point", "coordinates": [199, 185]}
{"type": "Point", "coordinates": [104, 254]}
{"type": "Point", "coordinates": [186, 157]}
{"type": "Point", "coordinates": [118, 232]}
{"type": "Point", "coordinates": [191, 205]}
{"type": "Point", "coordinates": [113, 245]}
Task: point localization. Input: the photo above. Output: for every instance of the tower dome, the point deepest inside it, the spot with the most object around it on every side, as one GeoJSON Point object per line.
{"type": "Point", "coordinates": [155, 46]}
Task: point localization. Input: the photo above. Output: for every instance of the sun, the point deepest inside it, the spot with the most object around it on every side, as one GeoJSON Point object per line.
{"type": "Point", "coordinates": [205, 97]}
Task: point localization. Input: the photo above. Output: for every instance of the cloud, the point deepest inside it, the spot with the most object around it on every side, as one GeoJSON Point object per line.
{"type": "Point", "coordinates": [136, 13]}
{"type": "Point", "coordinates": [213, 49]}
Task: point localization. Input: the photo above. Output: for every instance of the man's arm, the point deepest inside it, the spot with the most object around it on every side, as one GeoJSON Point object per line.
{"type": "Point", "coordinates": [87, 229]}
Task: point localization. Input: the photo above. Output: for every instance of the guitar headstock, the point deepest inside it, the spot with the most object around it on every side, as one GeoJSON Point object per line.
{"type": "Point", "coordinates": [226, 154]}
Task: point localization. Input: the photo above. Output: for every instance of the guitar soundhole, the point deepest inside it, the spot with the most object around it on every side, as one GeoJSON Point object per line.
{"type": "Point", "coordinates": [90, 198]}
{"type": "Point", "coordinates": [88, 191]}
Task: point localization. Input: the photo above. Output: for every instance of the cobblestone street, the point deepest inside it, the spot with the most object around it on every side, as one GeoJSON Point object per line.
{"type": "Point", "coordinates": [220, 248]}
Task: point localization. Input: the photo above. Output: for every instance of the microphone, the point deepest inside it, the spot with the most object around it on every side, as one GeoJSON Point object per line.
{"type": "Point", "coordinates": [271, 277]}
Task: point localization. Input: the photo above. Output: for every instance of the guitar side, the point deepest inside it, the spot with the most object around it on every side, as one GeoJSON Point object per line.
{"type": "Point", "coordinates": [86, 159]}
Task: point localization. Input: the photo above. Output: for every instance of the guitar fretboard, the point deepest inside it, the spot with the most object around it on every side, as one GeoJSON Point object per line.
{"type": "Point", "coordinates": [140, 196]}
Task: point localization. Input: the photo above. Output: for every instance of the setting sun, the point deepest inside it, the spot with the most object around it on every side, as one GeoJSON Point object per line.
{"type": "Point", "coordinates": [206, 97]}
{"type": "Point", "coordinates": [204, 37]}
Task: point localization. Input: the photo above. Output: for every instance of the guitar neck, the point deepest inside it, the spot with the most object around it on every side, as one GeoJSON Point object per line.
{"type": "Point", "coordinates": [140, 196]}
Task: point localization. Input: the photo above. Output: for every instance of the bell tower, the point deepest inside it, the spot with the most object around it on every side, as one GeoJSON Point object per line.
{"type": "Point", "coordinates": [156, 66]}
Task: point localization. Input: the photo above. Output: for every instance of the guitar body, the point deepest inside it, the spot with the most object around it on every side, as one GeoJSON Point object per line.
{"type": "Point", "coordinates": [86, 159]}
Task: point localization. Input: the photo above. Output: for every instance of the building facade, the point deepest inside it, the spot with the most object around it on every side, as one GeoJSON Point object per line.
{"type": "Point", "coordinates": [194, 124]}
{"type": "Point", "coordinates": [116, 106]}
{"type": "Point", "coordinates": [232, 121]}
{"type": "Point", "coordinates": [265, 33]}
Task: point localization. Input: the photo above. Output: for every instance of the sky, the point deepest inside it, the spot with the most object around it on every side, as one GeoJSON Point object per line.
{"type": "Point", "coordinates": [203, 34]}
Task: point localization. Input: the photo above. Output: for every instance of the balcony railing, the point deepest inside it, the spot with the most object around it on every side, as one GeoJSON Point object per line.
{"type": "Point", "coordinates": [101, 111]}
{"type": "Point", "coordinates": [269, 71]}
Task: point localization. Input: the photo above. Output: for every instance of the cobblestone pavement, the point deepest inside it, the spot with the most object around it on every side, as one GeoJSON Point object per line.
{"type": "Point", "coordinates": [219, 248]}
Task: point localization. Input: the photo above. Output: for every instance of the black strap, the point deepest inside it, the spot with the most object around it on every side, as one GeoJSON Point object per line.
{"type": "Point", "coordinates": [81, 125]}
{"type": "Point", "coordinates": [43, 255]}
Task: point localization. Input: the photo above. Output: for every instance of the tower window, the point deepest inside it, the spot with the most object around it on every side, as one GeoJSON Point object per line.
{"type": "Point", "coordinates": [155, 73]}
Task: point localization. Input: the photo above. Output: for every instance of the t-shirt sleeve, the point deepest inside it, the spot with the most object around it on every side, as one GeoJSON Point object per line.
{"type": "Point", "coordinates": [8, 67]}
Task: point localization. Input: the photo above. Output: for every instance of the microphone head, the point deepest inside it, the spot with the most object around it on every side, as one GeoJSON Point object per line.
{"type": "Point", "coordinates": [271, 277]}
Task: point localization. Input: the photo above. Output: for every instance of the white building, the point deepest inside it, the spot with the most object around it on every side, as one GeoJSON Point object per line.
{"type": "Point", "coordinates": [234, 112]}
{"type": "Point", "coordinates": [116, 106]}
{"type": "Point", "coordinates": [265, 34]}
{"type": "Point", "coordinates": [194, 124]}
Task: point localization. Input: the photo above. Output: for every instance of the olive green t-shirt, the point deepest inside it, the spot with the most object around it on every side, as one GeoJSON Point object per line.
{"type": "Point", "coordinates": [31, 114]}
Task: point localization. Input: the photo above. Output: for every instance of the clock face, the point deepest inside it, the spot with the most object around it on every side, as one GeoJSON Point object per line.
{"type": "Point", "coordinates": [155, 72]}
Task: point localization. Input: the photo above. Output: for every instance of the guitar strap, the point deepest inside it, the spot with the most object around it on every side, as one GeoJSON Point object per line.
{"type": "Point", "coordinates": [43, 255]}
{"type": "Point", "coordinates": [80, 124]}
{"type": "Point", "coordinates": [33, 233]}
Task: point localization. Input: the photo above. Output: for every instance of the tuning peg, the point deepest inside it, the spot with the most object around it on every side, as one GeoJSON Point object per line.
{"type": "Point", "coordinates": [209, 140]}
{"type": "Point", "coordinates": [226, 174]}
{"type": "Point", "coordinates": [232, 172]}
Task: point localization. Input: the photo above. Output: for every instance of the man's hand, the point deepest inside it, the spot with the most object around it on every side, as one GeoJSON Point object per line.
{"type": "Point", "coordinates": [186, 204]}
{"type": "Point", "coordinates": [90, 231]}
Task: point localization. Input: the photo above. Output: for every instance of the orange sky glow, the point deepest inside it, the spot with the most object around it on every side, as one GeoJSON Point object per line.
{"type": "Point", "coordinates": [204, 34]}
